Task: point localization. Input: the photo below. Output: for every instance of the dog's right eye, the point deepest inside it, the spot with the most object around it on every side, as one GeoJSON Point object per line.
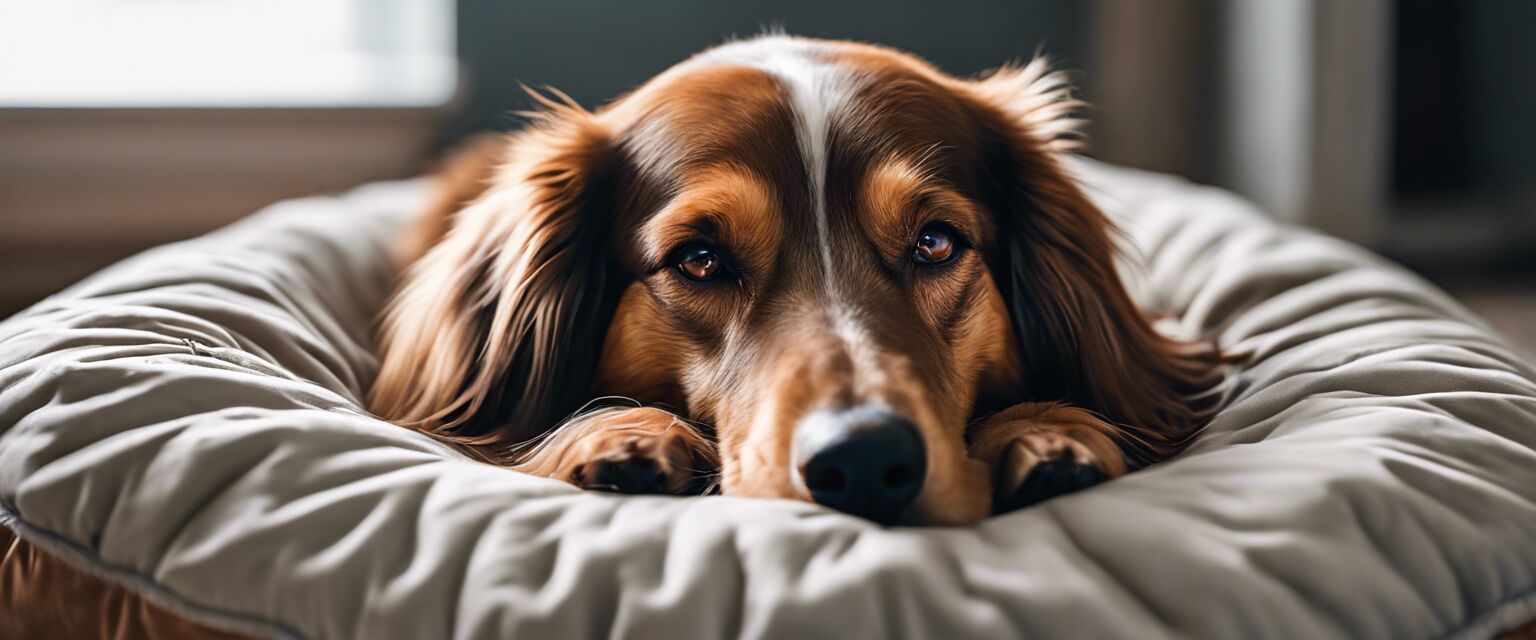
{"type": "Point", "coordinates": [698, 262]}
{"type": "Point", "coordinates": [937, 244]}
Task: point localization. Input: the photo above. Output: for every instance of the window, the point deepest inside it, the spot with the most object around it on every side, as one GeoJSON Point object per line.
{"type": "Point", "coordinates": [226, 53]}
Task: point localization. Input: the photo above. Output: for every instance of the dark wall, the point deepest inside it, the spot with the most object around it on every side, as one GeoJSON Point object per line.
{"type": "Point", "coordinates": [597, 49]}
{"type": "Point", "coordinates": [1465, 98]}
{"type": "Point", "coordinates": [1501, 65]}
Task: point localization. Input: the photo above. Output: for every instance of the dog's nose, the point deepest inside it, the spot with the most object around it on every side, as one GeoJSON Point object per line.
{"type": "Point", "coordinates": [862, 462]}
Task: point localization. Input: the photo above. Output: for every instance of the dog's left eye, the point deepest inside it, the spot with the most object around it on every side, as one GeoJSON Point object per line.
{"type": "Point", "coordinates": [936, 244]}
{"type": "Point", "coordinates": [698, 262]}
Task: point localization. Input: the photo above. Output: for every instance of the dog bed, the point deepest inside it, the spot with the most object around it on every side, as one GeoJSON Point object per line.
{"type": "Point", "coordinates": [190, 424]}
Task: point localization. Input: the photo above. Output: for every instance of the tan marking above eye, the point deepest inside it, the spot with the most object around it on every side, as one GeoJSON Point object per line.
{"type": "Point", "coordinates": [902, 201]}
{"type": "Point", "coordinates": [719, 208]}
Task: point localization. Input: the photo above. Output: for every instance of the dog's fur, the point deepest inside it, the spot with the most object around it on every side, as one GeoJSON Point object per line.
{"type": "Point", "coordinates": [545, 280]}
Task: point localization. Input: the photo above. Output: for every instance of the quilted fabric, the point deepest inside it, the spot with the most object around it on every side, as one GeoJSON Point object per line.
{"type": "Point", "coordinates": [189, 423]}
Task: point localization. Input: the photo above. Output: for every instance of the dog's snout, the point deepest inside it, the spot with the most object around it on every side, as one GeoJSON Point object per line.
{"type": "Point", "coordinates": [865, 462]}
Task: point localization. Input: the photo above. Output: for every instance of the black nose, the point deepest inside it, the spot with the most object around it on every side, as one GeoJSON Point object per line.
{"type": "Point", "coordinates": [866, 463]}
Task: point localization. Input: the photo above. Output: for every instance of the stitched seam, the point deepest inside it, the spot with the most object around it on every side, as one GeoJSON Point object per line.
{"type": "Point", "coordinates": [1489, 618]}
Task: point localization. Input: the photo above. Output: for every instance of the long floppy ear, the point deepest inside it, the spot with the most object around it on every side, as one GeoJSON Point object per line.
{"type": "Point", "coordinates": [1082, 339]}
{"type": "Point", "coordinates": [495, 334]}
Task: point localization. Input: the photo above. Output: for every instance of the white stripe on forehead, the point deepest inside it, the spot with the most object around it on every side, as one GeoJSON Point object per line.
{"type": "Point", "coordinates": [817, 91]}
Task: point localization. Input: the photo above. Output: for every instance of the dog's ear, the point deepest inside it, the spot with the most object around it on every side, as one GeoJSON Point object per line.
{"type": "Point", "coordinates": [1081, 337]}
{"type": "Point", "coordinates": [495, 333]}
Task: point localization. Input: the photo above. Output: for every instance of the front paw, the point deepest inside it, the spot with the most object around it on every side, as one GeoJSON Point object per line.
{"type": "Point", "coordinates": [634, 466]}
{"type": "Point", "coordinates": [641, 451]}
{"type": "Point", "coordinates": [1042, 464]}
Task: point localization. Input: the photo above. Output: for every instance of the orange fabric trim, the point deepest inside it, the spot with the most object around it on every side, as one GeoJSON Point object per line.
{"type": "Point", "coordinates": [43, 597]}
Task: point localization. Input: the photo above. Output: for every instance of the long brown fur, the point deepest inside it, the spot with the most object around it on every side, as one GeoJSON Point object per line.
{"type": "Point", "coordinates": [1068, 303]}
{"type": "Point", "coordinates": [489, 342]}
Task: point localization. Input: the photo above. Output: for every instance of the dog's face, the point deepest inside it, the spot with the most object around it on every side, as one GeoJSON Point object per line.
{"type": "Point", "coordinates": [811, 246]}
{"type": "Point", "coordinates": [815, 262]}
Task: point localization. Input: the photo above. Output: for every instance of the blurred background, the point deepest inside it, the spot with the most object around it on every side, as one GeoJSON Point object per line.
{"type": "Point", "coordinates": [1407, 126]}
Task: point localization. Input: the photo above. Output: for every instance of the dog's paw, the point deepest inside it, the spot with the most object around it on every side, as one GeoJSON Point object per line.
{"type": "Point", "coordinates": [634, 466]}
{"type": "Point", "coordinates": [641, 451]}
{"type": "Point", "coordinates": [1042, 464]}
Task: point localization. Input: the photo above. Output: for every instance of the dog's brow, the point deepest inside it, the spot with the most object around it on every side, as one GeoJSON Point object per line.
{"type": "Point", "coordinates": [675, 226]}
{"type": "Point", "coordinates": [897, 194]}
{"type": "Point", "coordinates": [722, 205]}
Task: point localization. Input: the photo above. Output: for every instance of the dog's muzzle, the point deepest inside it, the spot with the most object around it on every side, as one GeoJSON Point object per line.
{"type": "Point", "coordinates": [868, 461]}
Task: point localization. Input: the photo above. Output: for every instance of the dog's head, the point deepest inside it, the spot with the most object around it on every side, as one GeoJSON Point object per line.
{"type": "Point", "coordinates": [831, 252]}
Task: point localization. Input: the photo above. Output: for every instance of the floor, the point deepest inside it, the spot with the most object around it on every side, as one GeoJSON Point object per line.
{"type": "Point", "coordinates": [1509, 304]}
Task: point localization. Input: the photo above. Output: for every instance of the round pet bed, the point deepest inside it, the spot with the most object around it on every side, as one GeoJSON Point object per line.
{"type": "Point", "coordinates": [189, 424]}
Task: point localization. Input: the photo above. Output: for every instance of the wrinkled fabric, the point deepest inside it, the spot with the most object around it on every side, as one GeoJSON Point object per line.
{"type": "Point", "coordinates": [190, 424]}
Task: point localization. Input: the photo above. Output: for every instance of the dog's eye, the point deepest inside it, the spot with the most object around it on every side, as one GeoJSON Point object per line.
{"type": "Point", "coordinates": [698, 262]}
{"type": "Point", "coordinates": [936, 244]}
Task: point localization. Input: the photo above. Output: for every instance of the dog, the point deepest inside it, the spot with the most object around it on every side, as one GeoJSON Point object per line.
{"type": "Point", "coordinates": [815, 270]}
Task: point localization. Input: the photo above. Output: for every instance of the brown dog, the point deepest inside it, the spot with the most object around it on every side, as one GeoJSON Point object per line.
{"type": "Point", "coordinates": [863, 282]}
